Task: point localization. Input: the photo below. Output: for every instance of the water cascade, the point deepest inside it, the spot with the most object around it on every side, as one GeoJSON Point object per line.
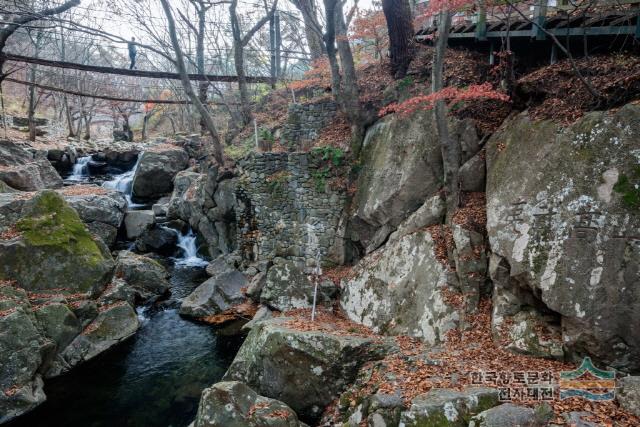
{"type": "Point", "coordinates": [80, 170]}
{"type": "Point", "coordinates": [124, 184]}
{"type": "Point", "coordinates": [190, 258]}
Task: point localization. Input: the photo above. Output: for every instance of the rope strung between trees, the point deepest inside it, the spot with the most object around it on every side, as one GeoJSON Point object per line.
{"type": "Point", "coordinates": [105, 97]}
{"type": "Point", "coordinates": [132, 73]}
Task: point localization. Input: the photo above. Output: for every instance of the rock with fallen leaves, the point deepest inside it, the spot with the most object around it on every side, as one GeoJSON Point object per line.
{"type": "Point", "coordinates": [628, 394]}
{"type": "Point", "coordinates": [234, 404]}
{"type": "Point", "coordinates": [509, 414]}
{"type": "Point", "coordinates": [22, 351]}
{"type": "Point", "coordinates": [448, 408]}
{"type": "Point", "coordinates": [287, 288]}
{"type": "Point", "coordinates": [302, 363]}
{"type": "Point", "coordinates": [22, 170]}
{"type": "Point", "coordinates": [402, 289]}
{"type": "Point", "coordinates": [146, 276]}
{"type": "Point", "coordinates": [216, 295]}
{"type": "Point", "coordinates": [562, 209]}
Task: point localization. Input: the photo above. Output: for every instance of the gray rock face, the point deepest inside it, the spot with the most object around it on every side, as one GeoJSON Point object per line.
{"type": "Point", "coordinates": [305, 370]}
{"type": "Point", "coordinates": [103, 212]}
{"type": "Point", "coordinates": [432, 212]}
{"type": "Point", "coordinates": [114, 324]}
{"type": "Point", "coordinates": [563, 215]}
{"type": "Point", "coordinates": [234, 404]}
{"type": "Point", "coordinates": [404, 167]}
{"type": "Point", "coordinates": [506, 415]}
{"type": "Point", "coordinates": [444, 407]}
{"type": "Point", "coordinates": [628, 394]}
{"type": "Point", "coordinates": [287, 287]}
{"type": "Point", "coordinates": [158, 239]}
{"type": "Point", "coordinates": [402, 290]}
{"type": "Point", "coordinates": [473, 174]}
{"type": "Point", "coordinates": [156, 170]}
{"type": "Point", "coordinates": [143, 274]}
{"type": "Point", "coordinates": [208, 207]}
{"type": "Point", "coordinates": [217, 294]}
{"type": "Point", "coordinates": [22, 351]}
{"type": "Point", "coordinates": [137, 222]}
{"type": "Point", "coordinates": [20, 170]}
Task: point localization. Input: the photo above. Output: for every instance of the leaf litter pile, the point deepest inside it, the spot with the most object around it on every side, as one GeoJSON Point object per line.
{"type": "Point", "coordinates": [415, 369]}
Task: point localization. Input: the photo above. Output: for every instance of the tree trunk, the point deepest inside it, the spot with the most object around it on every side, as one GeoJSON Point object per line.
{"type": "Point", "coordinates": [186, 84]}
{"type": "Point", "coordinates": [32, 105]}
{"type": "Point", "coordinates": [202, 86]}
{"type": "Point", "coordinates": [400, 28]}
{"type": "Point", "coordinates": [312, 30]}
{"type": "Point", "coordinates": [450, 151]}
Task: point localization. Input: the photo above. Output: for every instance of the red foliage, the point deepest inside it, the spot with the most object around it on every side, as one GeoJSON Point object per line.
{"type": "Point", "coordinates": [371, 27]}
{"type": "Point", "coordinates": [318, 76]}
{"type": "Point", "coordinates": [451, 94]}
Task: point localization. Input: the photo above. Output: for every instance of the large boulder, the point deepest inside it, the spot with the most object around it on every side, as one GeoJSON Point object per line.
{"type": "Point", "coordinates": [51, 248]}
{"type": "Point", "coordinates": [158, 239]}
{"type": "Point", "coordinates": [287, 288]}
{"type": "Point", "coordinates": [219, 293]}
{"type": "Point", "coordinates": [402, 289]}
{"type": "Point", "coordinates": [145, 275]}
{"type": "Point", "coordinates": [156, 170]}
{"type": "Point", "coordinates": [101, 209]}
{"type": "Point", "coordinates": [22, 171]}
{"type": "Point", "coordinates": [234, 404]}
{"type": "Point", "coordinates": [136, 223]}
{"type": "Point", "coordinates": [304, 369]}
{"type": "Point", "coordinates": [208, 206]}
{"type": "Point", "coordinates": [403, 167]}
{"type": "Point", "coordinates": [448, 408]}
{"type": "Point", "coordinates": [22, 350]}
{"type": "Point", "coordinates": [562, 208]}
{"type": "Point", "coordinates": [114, 324]}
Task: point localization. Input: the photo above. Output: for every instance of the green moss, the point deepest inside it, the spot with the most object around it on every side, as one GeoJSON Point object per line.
{"type": "Point", "coordinates": [629, 188]}
{"type": "Point", "coordinates": [434, 420]}
{"type": "Point", "coordinates": [53, 223]}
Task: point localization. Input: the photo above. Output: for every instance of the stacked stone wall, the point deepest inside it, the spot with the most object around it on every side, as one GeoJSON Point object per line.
{"type": "Point", "coordinates": [305, 121]}
{"type": "Point", "coordinates": [287, 208]}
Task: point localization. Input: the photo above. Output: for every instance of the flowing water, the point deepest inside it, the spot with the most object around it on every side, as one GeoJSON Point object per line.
{"type": "Point", "coordinates": [154, 379]}
{"type": "Point", "coordinates": [124, 184]}
{"type": "Point", "coordinates": [187, 243]}
{"type": "Point", "coordinates": [80, 172]}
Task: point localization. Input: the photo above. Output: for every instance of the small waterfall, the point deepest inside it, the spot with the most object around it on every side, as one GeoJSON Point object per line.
{"type": "Point", "coordinates": [124, 183]}
{"type": "Point", "coordinates": [80, 170]}
{"type": "Point", "coordinates": [189, 258]}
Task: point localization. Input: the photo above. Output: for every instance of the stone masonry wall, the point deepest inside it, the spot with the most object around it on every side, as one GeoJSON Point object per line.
{"type": "Point", "coordinates": [306, 120]}
{"type": "Point", "coordinates": [287, 208]}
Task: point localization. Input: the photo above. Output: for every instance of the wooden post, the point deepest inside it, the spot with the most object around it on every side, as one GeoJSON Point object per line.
{"type": "Point", "coordinates": [481, 21]}
{"type": "Point", "coordinates": [255, 130]}
{"type": "Point", "coordinates": [554, 54]}
{"type": "Point", "coordinates": [278, 56]}
{"type": "Point", "coordinates": [539, 17]}
{"type": "Point", "coordinates": [492, 56]}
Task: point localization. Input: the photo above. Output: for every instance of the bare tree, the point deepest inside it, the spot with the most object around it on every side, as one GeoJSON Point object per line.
{"type": "Point", "coordinates": [184, 78]}
{"type": "Point", "coordinates": [312, 27]}
{"type": "Point", "coordinates": [240, 41]}
{"type": "Point", "coordinates": [344, 82]}
{"type": "Point", "coordinates": [24, 18]}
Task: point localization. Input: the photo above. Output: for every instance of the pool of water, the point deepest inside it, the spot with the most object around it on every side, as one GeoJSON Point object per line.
{"type": "Point", "coordinates": [154, 379]}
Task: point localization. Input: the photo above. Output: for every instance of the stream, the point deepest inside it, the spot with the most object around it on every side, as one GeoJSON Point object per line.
{"type": "Point", "coordinates": [153, 379]}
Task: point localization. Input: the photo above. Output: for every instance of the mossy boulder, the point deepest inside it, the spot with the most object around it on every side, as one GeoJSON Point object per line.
{"type": "Point", "coordinates": [304, 369]}
{"type": "Point", "coordinates": [54, 249]}
{"type": "Point", "coordinates": [564, 229]}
